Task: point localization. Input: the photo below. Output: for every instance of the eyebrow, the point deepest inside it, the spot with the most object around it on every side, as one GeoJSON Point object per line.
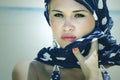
{"type": "Point", "coordinates": [73, 11]}
{"type": "Point", "coordinates": [56, 11]}
{"type": "Point", "coordinates": [83, 10]}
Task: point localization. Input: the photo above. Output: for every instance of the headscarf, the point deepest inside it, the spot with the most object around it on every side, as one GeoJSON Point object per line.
{"type": "Point", "coordinates": [108, 52]}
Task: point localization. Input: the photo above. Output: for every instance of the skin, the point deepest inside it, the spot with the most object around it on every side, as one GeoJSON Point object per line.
{"type": "Point", "coordinates": [75, 21]}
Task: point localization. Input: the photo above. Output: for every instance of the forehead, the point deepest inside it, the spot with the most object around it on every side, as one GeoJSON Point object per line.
{"type": "Point", "coordinates": [66, 4]}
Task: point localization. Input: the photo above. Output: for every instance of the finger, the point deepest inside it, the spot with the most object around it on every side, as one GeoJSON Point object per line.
{"type": "Point", "coordinates": [78, 55]}
{"type": "Point", "coordinates": [93, 54]}
{"type": "Point", "coordinates": [94, 48]}
{"type": "Point", "coordinates": [81, 60]}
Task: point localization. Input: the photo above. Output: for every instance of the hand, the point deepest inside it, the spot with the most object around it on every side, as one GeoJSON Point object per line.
{"type": "Point", "coordinates": [89, 64]}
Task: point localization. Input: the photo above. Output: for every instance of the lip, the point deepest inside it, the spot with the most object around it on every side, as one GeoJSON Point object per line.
{"type": "Point", "coordinates": [68, 37]}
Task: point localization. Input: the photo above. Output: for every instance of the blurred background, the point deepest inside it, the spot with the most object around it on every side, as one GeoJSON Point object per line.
{"type": "Point", "coordinates": [24, 31]}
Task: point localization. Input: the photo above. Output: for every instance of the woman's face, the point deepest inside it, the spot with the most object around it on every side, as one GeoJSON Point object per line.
{"type": "Point", "coordinates": [69, 21]}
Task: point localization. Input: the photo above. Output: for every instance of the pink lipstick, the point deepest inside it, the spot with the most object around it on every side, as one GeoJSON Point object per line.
{"type": "Point", "coordinates": [68, 37]}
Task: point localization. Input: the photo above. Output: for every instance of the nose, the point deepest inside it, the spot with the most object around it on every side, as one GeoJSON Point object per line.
{"type": "Point", "coordinates": [68, 26]}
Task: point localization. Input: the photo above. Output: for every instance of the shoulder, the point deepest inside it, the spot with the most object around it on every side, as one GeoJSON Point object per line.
{"type": "Point", "coordinates": [23, 68]}
{"type": "Point", "coordinates": [20, 70]}
{"type": "Point", "coordinates": [29, 70]}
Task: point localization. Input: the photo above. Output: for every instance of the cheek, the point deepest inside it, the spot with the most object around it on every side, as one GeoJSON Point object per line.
{"type": "Point", "coordinates": [55, 21]}
{"type": "Point", "coordinates": [90, 24]}
{"type": "Point", "coordinates": [85, 27]}
{"type": "Point", "coordinates": [56, 25]}
{"type": "Point", "coordinates": [55, 28]}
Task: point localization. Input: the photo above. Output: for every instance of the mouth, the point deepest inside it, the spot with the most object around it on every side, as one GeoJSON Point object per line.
{"type": "Point", "coordinates": [68, 37]}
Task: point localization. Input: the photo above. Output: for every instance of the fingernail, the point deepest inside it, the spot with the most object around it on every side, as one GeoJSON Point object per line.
{"type": "Point", "coordinates": [75, 49]}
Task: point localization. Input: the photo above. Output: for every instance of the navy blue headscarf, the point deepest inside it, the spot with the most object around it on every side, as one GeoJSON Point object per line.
{"type": "Point", "coordinates": [108, 52]}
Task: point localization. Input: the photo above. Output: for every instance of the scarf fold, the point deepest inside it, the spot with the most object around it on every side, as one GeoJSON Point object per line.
{"type": "Point", "coordinates": [108, 51]}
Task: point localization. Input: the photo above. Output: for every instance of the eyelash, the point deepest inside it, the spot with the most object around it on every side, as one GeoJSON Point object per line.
{"type": "Point", "coordinates": [76, 15]}
{"type": "Point", "coordinates": [79, 16]}
{"type": "Point", "coordinates": [59, 15]}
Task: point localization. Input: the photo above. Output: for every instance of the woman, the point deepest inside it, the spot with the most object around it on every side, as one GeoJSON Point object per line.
{"type": "Point", "coordinates": [76, 26]}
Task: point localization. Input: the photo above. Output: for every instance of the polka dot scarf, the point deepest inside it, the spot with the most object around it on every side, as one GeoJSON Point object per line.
{"type": "Point", "coordinates": [108, 52]}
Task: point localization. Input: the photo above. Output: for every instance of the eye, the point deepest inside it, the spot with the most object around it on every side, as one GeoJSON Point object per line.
{"type": "Point", "coordinates": [59, 15]}
{"type": "Point", "coordinates": [79, 15]}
